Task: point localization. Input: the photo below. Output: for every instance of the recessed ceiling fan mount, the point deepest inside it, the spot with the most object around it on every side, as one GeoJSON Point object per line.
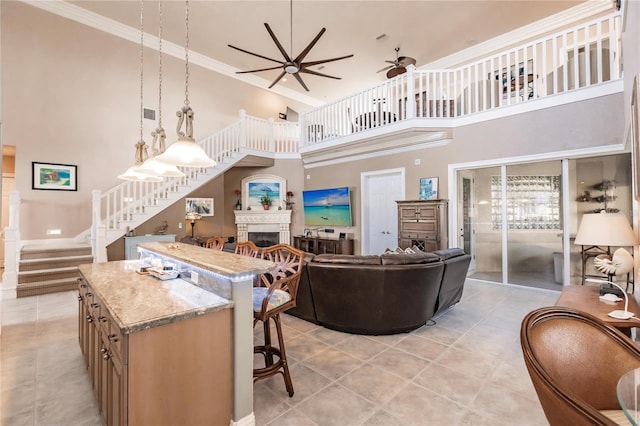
{"type": "Point", "coordinates": [399, 66]}
{"type": "Point", "coordinates": [290, 65]}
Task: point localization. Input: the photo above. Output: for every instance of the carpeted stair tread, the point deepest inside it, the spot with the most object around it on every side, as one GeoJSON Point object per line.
{"type": "Point", "coordinates": [46, 287]}
{"type": "Point", "coordinates": [48, 271]}
{"type": "Point", "coordinates": [57, 259]}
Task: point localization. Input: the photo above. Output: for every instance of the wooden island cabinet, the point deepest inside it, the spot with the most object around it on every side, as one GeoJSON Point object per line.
{"type": "Point", "coordinates": [157, 352]}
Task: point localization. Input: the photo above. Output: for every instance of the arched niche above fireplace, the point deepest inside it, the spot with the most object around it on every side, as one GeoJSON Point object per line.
{"type": "Point", "coordinates": [254, 186]}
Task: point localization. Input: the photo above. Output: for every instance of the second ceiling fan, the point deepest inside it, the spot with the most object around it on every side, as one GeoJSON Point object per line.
{"type": "Point", "coordinates": [399, 66]}
{"type": "Point", "coordinates": [291, 65]}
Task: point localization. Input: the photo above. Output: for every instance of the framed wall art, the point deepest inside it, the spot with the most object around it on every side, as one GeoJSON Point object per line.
{"type": "Point", "coordinates": [428, 188]}
{"type": "Point", "coordinates": [52, 176]}
{"type": "Point", "coordinates": [201, 206]}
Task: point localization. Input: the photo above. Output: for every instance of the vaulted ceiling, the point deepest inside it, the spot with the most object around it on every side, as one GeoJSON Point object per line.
{"type": "Point", "coordinates": [371, 30]}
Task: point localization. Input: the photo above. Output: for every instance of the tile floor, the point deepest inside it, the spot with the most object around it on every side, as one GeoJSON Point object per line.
{"type": "Point", "coordinates": [467, 369]}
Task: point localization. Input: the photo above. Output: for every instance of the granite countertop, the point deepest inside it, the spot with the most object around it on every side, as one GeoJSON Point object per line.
{"type": "Point", "coordinates": [226, 264]}
{"type": "Point", "coordinates": [138, 302]}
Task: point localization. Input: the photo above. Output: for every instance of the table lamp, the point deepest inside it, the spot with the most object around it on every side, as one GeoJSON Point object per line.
{"type": "Point", "coordinates": [608, 230]}
{"type": "Point", "coordinates": [192, 217]}
{"type": "Point", "coordinates": [618, 314]}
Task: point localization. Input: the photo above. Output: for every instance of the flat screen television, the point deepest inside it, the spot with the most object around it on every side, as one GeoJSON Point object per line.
{"type": "Point", "coordinates": [327, 207]}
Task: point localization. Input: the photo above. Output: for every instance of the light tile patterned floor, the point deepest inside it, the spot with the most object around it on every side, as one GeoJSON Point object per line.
{"type": "Point", "coordinates": [465, 370]}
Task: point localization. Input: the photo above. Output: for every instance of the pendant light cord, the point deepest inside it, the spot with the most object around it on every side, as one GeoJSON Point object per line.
{"type": "Point", "coordinates": [186, 55]}
{"type": "Point", "coordinates": [160, 63]}
{"type": "Point", "coordinates": [291, 29]}
{"type": "Point", "coordinates": [141, 65]}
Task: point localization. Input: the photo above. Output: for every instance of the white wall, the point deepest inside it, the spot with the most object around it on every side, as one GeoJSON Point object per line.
{"type": "Point", "coordinates": [70, 95]}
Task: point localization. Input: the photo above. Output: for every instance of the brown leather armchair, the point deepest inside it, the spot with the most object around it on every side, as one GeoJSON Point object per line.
{"type": "Point", "coordinates": [575, 362]}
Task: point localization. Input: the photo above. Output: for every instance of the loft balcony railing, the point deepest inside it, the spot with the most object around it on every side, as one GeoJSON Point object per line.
{"type": "Point", "coordinates": [578, 57]}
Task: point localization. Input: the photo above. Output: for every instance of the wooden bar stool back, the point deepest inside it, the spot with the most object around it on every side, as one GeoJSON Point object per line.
{"type": "Point", "coordinates": [216, 243]}
{"type": "Point", "coordinates": [276, 293]}
{"type": "Point", "coordinates": [247, 248]}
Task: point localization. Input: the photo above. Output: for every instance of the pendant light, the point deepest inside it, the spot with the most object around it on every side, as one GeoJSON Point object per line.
{"type": "Point", "coordinates": [132, 172]}
{"type": "Point", "coordinates": [152, 166]}
{"type": "Point", "coordinates": [185, 152]}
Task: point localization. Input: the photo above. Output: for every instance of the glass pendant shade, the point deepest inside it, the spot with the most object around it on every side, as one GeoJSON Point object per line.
{"type": "Point", "coordinates": [132, 174]}
{"type": "Point", "coordinates": [156, 168]}
{"type": "Point", "coordinates": [185, 154]}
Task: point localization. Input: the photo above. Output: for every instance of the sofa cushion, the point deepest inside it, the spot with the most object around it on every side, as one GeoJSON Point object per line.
{"type": "Point", "coordinates": [408, 259]}
{"type": "Point", "coordinates": [449, 253]}
{"type": "Point", "coordinates": [349, 259]}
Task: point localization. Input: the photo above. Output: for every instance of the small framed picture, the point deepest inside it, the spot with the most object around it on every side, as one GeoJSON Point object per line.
{"type": "Point", "coordinates": [52, 176]}
{"type": "Point", "coordinates": [202, 206]}
{"type": "Point", "coordinates": [428, 188]}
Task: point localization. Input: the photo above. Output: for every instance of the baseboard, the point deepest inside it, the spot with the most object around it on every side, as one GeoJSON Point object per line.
{"type": "Point", "coordinates": [249, 420]}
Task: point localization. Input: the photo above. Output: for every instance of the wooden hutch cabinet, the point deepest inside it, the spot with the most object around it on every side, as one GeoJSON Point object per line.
{"type": "Point", "coordinates": [422, 223]}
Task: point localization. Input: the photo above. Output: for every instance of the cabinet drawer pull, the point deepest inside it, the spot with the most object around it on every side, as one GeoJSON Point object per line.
{"type": "Point", "coordinates": [80, 298]}
{"type": "Point", "coordinates": [106, 356]}
{"type": "Point", "coordinates": [103, 350]}
{"type": "Point", "coordinates": [112, 338]}
{"type": "Point", "coordinates": [94, 305]}
{"type": "Point", "coordinates": [89, 294]}
{"type": "Point", "coordinates": [102, 319]}
{"type": "Point", "coordinates": [89, 319]}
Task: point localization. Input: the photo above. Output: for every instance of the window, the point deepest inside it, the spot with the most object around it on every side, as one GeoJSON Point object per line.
{"type": "Point", "coordinates": [533, 202]}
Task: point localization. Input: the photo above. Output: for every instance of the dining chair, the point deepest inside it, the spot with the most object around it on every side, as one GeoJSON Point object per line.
{"type": "Point", "coordinates": [575, 361]}
{"type": "Point", "coordinates": [247, 248]}
{"type": "Point", "coordinates": [216, 243]}
{"type": "Point", "coordinates": [275, 294]}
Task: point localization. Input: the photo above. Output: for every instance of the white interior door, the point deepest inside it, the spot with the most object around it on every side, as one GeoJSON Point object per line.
{"type": "Point", "coordinates": [380, 191]}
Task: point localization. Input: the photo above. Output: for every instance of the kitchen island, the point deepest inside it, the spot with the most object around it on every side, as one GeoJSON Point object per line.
{"type": "Point", "coordinates": [178, 351]}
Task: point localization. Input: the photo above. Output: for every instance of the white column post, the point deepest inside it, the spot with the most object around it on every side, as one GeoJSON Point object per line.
{"type": "Point", "coordinates": [243, 128]}
{"type": "Point", "coordinates": [98, 230]}
{"type": "Point", "coordinates": [242, 412]}
{"type": "Point", "coordinates": [271, 137]}
{"type": "Point", "coordinates": [12, 248]}
{"type": "Point", "coordinates": [411, 93]}
{"type": "Point", "coordinates": [302, 140]}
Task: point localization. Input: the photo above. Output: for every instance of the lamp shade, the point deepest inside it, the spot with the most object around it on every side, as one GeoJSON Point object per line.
{"type": "Point", "coordinates": [185, 154]}
{"type": "Point", "coordinates": [156, 168]}
{"type": "Point", "coordinates": [132, 174]}
{"type": "Point", "coordinates": [605, 229]}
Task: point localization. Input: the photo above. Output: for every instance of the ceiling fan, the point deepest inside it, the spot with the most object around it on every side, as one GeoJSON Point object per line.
{"type": "Point", "coordinates": [290, 65]}
{"type": "Point", "coordinates": [399, 65]}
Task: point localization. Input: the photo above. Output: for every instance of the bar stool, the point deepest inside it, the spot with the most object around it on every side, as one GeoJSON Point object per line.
{"type": "Point", "coordinates": [276, 293]}
{"type": "Point", "coordinates": [216, 243]}
{"type": "Point", "coordinates": [247, 248]}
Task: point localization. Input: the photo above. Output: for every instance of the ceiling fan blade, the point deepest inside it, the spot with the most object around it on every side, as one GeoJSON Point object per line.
{"type": "Point", "coordinates": [392, 62]}
{"type": "Point", "coordinates": [275, 40]}
{"type": "Point", "coordinates": [277, 79]}
{"type": "Point", "coordinates": [297, 76]}
{"type": "Point", "coordinates": [306, 50]}
{"type": "Point", "coordinates": [323, 61]}
{"type": "Point", "coordinates": [262, 69]}
{"type": "Point", "coordinates": [255, 54]}
{"type": "Point", "coordinates": [386, 68]}
{"type": "Point", "coordinates": [319, 74]}
{"type": "Point", "coordinates": [396, 71]}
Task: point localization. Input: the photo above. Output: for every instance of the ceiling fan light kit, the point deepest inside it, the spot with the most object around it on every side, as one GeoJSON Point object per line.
{"type": "Point", "coordinates": [290, 65]}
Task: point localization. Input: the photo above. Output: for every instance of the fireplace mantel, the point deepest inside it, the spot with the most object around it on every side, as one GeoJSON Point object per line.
{"type": "Point", "coordinates": [263, 221]}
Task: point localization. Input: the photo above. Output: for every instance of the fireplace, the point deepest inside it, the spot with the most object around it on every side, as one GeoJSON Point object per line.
{"type": "Point", "coordinates": [273, 223]}
{"type": "Point", "coordinates": [264, 239]}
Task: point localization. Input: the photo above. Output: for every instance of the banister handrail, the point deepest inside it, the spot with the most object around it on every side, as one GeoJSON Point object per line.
{"type": "Point", "coordinates": [544, 66]}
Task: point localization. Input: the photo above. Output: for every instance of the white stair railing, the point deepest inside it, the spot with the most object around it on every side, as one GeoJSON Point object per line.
{"type": "Point", "coordinates": [114, 208]}
{"type": "Point", "coordinates": [581, 56]}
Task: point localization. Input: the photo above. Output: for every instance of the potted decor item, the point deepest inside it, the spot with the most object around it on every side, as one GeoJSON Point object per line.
{"type": "Point", "coordinates": [238, 205]}
{"type": "Point", "coordinates": [265, 200]}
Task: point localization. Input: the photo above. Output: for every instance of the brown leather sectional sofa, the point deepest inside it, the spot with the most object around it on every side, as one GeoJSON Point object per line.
{"type": "Point", "coordinates": [386, 294]}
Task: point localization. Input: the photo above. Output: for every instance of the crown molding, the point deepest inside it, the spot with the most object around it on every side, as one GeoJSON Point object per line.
{"type": "Point", "coordinates": [583, 11]}
{"type": "Point", "coordinates": [75, 13]}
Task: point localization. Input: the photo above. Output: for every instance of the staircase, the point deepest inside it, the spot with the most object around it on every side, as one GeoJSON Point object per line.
{"type": "Point", "coordinates": [52, 265]}
{"type": "Point", "coordinates": [48, 269]}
